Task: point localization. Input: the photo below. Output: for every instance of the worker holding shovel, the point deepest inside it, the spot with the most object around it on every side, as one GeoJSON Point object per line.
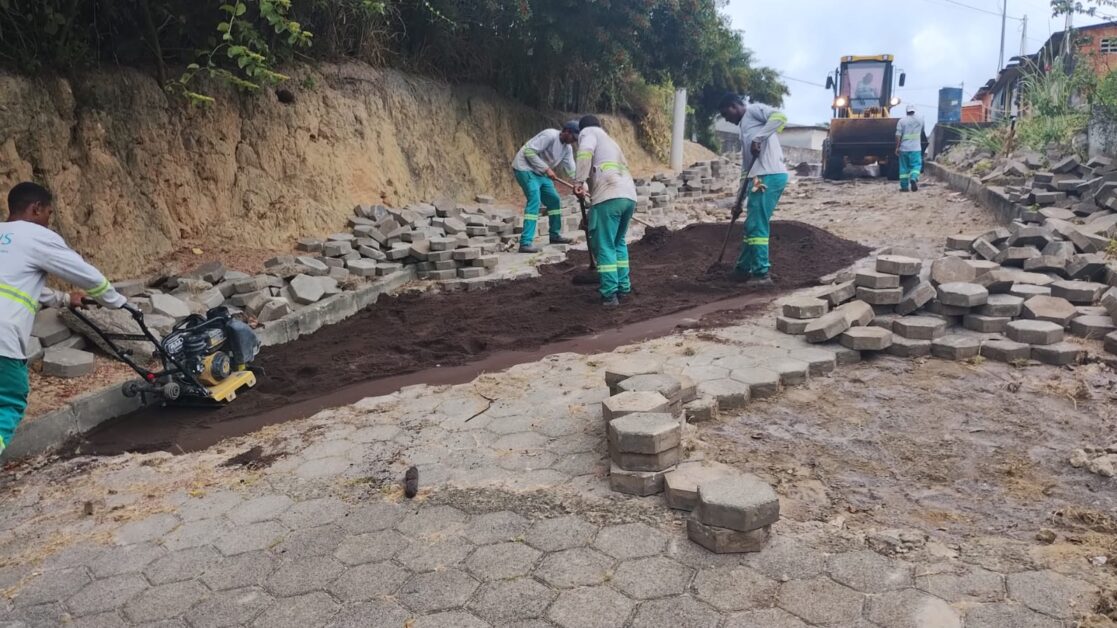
{"type": "Point", "coordinates": [534, 169]}
{"type": "Point", "coordinates": [763, 179]}
{"type": "Point", "coordinates": [601, 163]}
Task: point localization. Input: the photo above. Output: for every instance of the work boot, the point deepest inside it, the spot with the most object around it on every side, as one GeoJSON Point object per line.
{"type": "Point", "coordinates": [624, 296]}
{"type": "Point", "coordinates": [760, 281]}
{"type": "Point", "coordinates": [739, 276]}
{"type": "Point", "coordinates": [914, 185]}
{"type": "Point", "coordinates": [527, 248]}
{"type": "Point", "coordinates": [561, 240]}
{"type": "Point", "coordinates": [610, 302]}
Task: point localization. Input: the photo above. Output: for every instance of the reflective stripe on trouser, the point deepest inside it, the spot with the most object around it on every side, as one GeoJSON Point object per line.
{"type": "Point", "coordinates": [911, 165]}
{"type": "Point", "coordinates": [608, 227]}
{"type": "Point", "coordinates": [14, 389]}
{"type": "Point", "coordinates": [754, 251]}
{"type": "Point", "coordinates": [539, 190]}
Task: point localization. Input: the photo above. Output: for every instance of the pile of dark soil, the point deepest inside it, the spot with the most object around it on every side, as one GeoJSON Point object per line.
{"type": "Point", "coordinates": [409, 333]}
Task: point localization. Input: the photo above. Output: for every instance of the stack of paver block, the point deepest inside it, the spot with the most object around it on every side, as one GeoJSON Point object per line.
{"type": "Point", "coordinates": [704, 180]}
{"type": "Point", "coordinates": [733, 511]}
{"type": "Point", "coordinates": [1010, 294]}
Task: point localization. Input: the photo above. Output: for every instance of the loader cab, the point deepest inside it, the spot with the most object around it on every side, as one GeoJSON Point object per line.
{"type": "Point", "coordinates": [863, 87]}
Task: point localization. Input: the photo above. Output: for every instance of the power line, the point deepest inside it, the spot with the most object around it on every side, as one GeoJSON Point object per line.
{"type": "Point", "coordinates": [797, 80]}
{"type": "Point", "coordinates": [978, 9]}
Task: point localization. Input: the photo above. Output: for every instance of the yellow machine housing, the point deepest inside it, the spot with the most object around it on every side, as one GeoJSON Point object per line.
{"type": "Point", "coordinates": [862, 129]}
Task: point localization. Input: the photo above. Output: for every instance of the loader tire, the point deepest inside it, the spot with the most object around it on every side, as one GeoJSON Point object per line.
{"type": "Point", "coordinates": [832, 165]}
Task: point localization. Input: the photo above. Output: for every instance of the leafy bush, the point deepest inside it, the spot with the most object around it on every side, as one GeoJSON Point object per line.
{"type": "Point", "coordinates": [1105, 97]}
{"type": "Point", "coordinates": [996, 139]}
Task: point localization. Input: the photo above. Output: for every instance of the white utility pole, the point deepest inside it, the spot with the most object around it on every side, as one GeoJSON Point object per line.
{"type": "Point", "coordinates": [678, 131]}
{"type": "Point", "coordinates": [1004, 20]}
{"type": "Point", "coordinates": [1024, 37]}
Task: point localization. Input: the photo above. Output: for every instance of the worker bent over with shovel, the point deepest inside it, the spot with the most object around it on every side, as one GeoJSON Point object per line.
{"type": "Point", "coordinates": [614, 200]}
{"type": "Point", "coordinates": [763, 179]}
{"type": "Point", "coordinates": [534, 169]}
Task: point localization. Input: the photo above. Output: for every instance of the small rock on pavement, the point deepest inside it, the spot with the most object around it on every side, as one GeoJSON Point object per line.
{"type": "Point", "coordinates": [1058, 353]}
{"type": "Point", "coordinates": [952, 270]}
{"type": "Point", "coordinates": [169, 306]}
{"type": "Point", "coordinates": [67, 363]}
{"type": "Point", "coordinates": [1051, 309]}
{"type": "Point", "coordinates": [741, 502]}
{"type": "Point", "coordinates": [866, 338]}
{"type": "Point", "coordinates": [1034, 332]}
{"type": "Point", "coordinates": [899, 265]}
{"type": "Point", "coordinates": [726, 541]}
{"type": "Point", "coordinates": [681, 484]}
{"type": "Point", "coordinates": [644, 433]}
{"type": "Point", "coordinates": [959, 294]}
{"type": "Point", "coordinates": [639, 483]}
{"type": "Point", "coordinates": [804, 307]}
{"type": "Point", "coordinates": [955, 347]}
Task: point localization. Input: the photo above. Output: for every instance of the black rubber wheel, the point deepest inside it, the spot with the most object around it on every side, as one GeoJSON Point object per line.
{"type": "Point", "coordinates": [132, 388]}
{"type": "Point", "coordinates": [891, 169]}
{"type": "Point", "coordinates": [832, 165]}
{"type": "Point", "coordinates": [172, 391]}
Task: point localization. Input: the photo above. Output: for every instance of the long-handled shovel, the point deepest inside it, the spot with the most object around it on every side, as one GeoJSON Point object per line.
{"type": "Point", "coordinates": [591, 276]}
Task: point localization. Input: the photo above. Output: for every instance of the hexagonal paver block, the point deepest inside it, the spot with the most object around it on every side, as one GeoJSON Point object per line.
{"type": "Point", "coordinates": [912, 609]}
{"type": "Point", "coordinates": [985, 324]}
{"type": "Point", "coordinates": [951, 270]}
{"type": "Point", "coordinates": [762, 382]}
{"type": "Point", "coordinates": [511, 601]}
{"type": "Point", "coordinates": [804, 307]}
{"type": "Point", "coordinates": [1001, 305]}
{"type": "Point", "coordinates": [576, 567]}
{"type": "Point", "coordinates": [560, 533]}
{"type": "Point", "coordinates": [127, 559]}
{"type": "Point", "coordinates": [106, 594]}
{"type": "Point", "coordinates": [870, 572]}
{"type": "Point", "coordinates": [630, 540]}
{"type": "Point", "coordinates": [182, 565]}
{"type": "Point", "coordinates": [821, 601]}
{"type": "Point", "coordinates": [236, 607]}
{"type": "Point", "coordinates": [648, 578]}
{"type": "Point", "coordinates": [632, 402]}
{"type": "Point", "coordinates": [1008, 614]}
{"type": "Point", "coordinates": [743, 502]}
{"type": "Point", "coordinates": [640, 483]}
{"type": "Point", "coordinates": [371, 547]}
{"type": "Point", "coordinates": [875, 280]}
{"type": "Point", "coordinates": [1006, 350]}
{"type": "Point", "coordinates": [857, 313]}
{"type": "Point", "coordinates": [792, 326]}
{"type": "Point", "coordinates": [955, 347]}
{"type": "Point", "coordinates": [1078, 292]}
{"type": "Point", "coordinates": [1051, 309]}
{"type": "Point", "coordinates": [919, 327]}
{"type": "Point", "coordinates": [725, 540]}
{"type": "Point", "coordinates": [730, 394]}
{"type": "Point", "coordinates": [502, 561]}
{"type": "Point", "coordinates": [314, 512]}
{"type": "Point", "coordinates": [433, 554]}
{"type": "Point", "coordinates": [1059, 353]}
{"type": "Point", "coordinates": [67, 362]}
{"type": "Point", "coordinates": [866, 338]}
{"type": "Point", "coordinates": [148, 529]}
{"type": "Point", "coordinates": [1026, 291]}
{"type": "Point", "coordinates": [256, 536]}
{"type": "Point", "coordinates": [734, 588]}
{"type": "Point", "coordinates": [165, 601]}
{"type": "Point", "coordinates": [303, 576]}
{"type": "Point", "coordinates": [369, 581]}
{"type": "Point", "coordinates": [826, 327]}
{"type": "Point", "coordinates": [433, 521]}
{"type": "Point", "coordinates": [819, 361]}
{"type": "Point", "coordinates": [311, 609]}
{"type": "Point", "coordinates": [766, 618]}
{"type": "Point", "coordinates": [963, 294]}
{"type": "Point", "coordinates": [681, 484]}
{"type": "Point", "coordinates": [644, 433]}
{"type": "Point", "coordinates": [590, 607]}
{"type": "Point", "coordinates": [679, 612]}
{"type": "Point", "coordinates": [881, 296]}
{"type": "Point", "coordinates": [908, 348]}
{"type": "Point", "coordinates": [1034, 332]}
{"type": "Point", "coordinates": [622, 367]}
{"type": "Point", "coordinates": [659, 462]}
{"type": "Point", "coordinates": [260, 509]}
{"type": "Point", "coordinates": [1096, 326]}
{"type": "Point", "coordinates": [458, 619]}
{"type": "Point", "coordinates": [916, 297]}
{"type": "Point", "coordinates": [437, 591]}
{"type": "Point", "coordinates": [899, 265]}
{"type": "Point", "coordinates": [792, 372]}
{"type": "Point", "coordinates": [970, 584]}
{"type": "Point", "coordinates": [662, 383]}
{"type": "Point", "coordinates": [495, 527]}
{"type": "Point", "coordinates": [243, 570]}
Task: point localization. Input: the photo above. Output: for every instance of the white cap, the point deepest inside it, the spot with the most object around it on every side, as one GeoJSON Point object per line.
{"type": "Point", "coordinates": [911, 108]}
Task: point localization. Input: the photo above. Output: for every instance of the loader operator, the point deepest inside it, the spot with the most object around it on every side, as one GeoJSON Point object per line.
{"type": "Point", "coordinates": [909, 147]}
{"type": "Point", "coordinates": [29, 251]}
{"type": "Point", "coordinates": [601, 163]}
{"type": "Point", "coordinates": [763, 179]}
{"type": "Point", "coordinates": [534, 169]}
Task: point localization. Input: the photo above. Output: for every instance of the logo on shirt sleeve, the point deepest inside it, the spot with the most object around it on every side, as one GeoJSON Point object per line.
{"type": "Point", "coordinates": [6, 238]}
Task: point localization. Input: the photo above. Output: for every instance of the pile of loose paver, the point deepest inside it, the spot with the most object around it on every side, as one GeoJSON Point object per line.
{"type": "Point", "coordinates": [1071, 188]}
{"type": "Point", "coordinates": [1012, 294]}
{"type": "Point", "coordinates": [732, 511]}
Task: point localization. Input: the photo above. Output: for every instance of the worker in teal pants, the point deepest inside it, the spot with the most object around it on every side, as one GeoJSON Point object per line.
{"type": "Point", "coordinates": [909, 149]}
{"type": "Point", "coordinates": [753, 260]}
{"type": "Point", "coordinates": [534, 169]}
{"type": "Point", "coordinates": [539, 190]}
{"type": "Point", "coordinates": [608, 226]}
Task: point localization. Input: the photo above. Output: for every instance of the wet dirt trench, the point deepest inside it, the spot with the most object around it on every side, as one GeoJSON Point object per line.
{"type": "Point", "coordinates": [445, 338]}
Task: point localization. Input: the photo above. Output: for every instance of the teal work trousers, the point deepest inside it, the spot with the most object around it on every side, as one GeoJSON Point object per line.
{"type": "Point", "coordinates": [608, 227]}
{"type": "Point", "coordinates": [911, 164]}
{"type": "Point", "coordinates": [14, 388]}
{"type": "Point", "coordinates": [753, 259]}
{"type": "Point", "coordinates": [540, 192]}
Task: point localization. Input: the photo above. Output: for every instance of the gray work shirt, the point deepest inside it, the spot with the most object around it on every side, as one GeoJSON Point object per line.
{"type": "Point", "coordinates": [761, 123]}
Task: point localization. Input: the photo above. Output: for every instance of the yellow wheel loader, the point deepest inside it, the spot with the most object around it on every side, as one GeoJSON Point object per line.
{"type": "Point", "coordinates": [862, 130]}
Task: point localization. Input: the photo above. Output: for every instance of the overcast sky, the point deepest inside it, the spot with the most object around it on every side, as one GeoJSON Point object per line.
{"type": "Point", "coordinates": [939, 43]}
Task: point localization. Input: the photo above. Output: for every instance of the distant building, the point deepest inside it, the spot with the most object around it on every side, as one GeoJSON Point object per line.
{"type": "Point", "coordinates": [793, 136]}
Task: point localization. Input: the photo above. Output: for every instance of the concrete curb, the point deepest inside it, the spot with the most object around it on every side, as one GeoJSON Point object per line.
{"type": "Point", "coordinates": [990, 198]}
{"type": "Point", "coordinates": [50, 431]}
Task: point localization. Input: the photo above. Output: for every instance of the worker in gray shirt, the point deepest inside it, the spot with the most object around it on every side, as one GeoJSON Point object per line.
{"type": "Point", "coordinates": [763, 179]}
{"type": "Point", "coordinates": [909, 148]}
